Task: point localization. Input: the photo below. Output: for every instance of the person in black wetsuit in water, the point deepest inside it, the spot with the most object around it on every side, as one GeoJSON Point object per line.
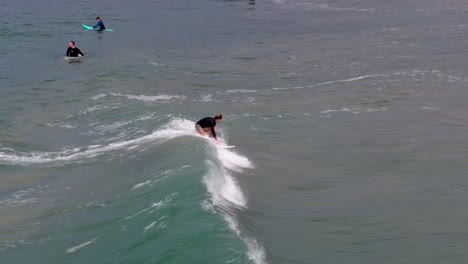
{"type": "Point", "coordinates": [73, 51]}
{"type": "Point", "coordinates": [207, 125]}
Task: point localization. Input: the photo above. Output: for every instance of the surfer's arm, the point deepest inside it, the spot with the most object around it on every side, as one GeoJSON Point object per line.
{"type": "Point", "coordinates": [99, 24]}
{"type": "Point", "coordinates": [213, 132]}
{"type": "Point", "coordinates": [79, 52]}
{"type": "Point", "coordinates": [68, 52]}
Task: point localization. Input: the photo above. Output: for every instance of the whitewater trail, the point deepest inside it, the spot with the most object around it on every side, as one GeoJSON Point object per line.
{"type": "Point", "coordinates": [175, 128]}
{"type": "Point", "coordinates": [226, 194]}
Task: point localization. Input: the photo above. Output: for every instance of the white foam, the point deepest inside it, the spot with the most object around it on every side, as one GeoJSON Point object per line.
{"type": "Point", "coordinates": [95, 108]}
{"type": "Point", "coordinates": [241, 91]}
{"type": "Point", "coordinates": [208, 206]}
{"type": "Point", "coordinates": [91, 109]}
{"type": "Point", "coordinates": [62, 125]}
{"type": "Point", "coordinates": [158, 204]}
{"type": "Point", "coordinates": [232, 160]}
{"type": "Point", "coordinates": [307, 6]}
{"type": "Point", "coordinates": [160, 177]}
{"type": "Point", "coordinates": [344, 109]}
{"type": "Point", "coordinates": [137, 213]}
{"type": "Point", "coordinates": [255, 252]}
{"type": "Point", "coordinates": [18, 199]}
{"type": "Point", "coordinates": [279, 88]}
{"type": "Point", "coordinates": [380, 109]}
{"type": "Point", "coordinates": [175, 128]}
{"type": "Point", "coordinates": [206, 98]}
{"type": "Point", "coordinates": [153, 207]}
{"type": "Point", "coordinates": [222, 187]}
{"type": "Point", "coordinates": [249, 100]}
{"type": "Point", "coordinates": [17, 202]}
{"type": "Point", "coordinates": [113, 126]}
{"type": "Point", "coordinates": [153, 63]}
{"type": "Point", "coordinates": [107, 128]}
{"type": "Point", "coordinates": [67, 126]}
{"type": "Point", "coordinates": [133, 147]}
{"type": "Point", "coordinates": [149, 98]}
{"type": "Point", "coordinates": [415, 73]}
{"type": "Point", "coordinates": [150, 226]}
{"type": "Point", "coordinates": [226, 193]}
{"type": "Point", "coordinates": [22, 193]}
{"type": "Point", "coordinates": [100, 203]}
{"type": "Point", "coordinates": [352, 79]}
{"type": "Point", "coordinates": [80, 246]}
{"type": "Point", "coordinates": [141, 184]}
{"type": "Point", "coordinates": [358, 78]}
{"type": "Point", "coordinates": [327, 7]}
{"type": "Point", "coordinates": [219, 182]}
{"type": "Point", "coordinates": [99, 96]}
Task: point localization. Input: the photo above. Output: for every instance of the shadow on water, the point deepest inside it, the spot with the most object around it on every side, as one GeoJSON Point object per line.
{"type": "Point", "coordinates": [99, 35]}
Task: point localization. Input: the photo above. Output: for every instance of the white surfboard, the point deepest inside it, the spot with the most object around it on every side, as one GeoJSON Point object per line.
{"type": "Point", "coordinates": [72, 58]}
{"type": "Point", "coordinates": [221, 143]}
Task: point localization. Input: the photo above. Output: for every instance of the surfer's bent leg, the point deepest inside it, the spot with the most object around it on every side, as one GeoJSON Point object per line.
{"type": "Point", "coordinates": [200, 130]}
{"type": "Point", "coordinates": [208, 131]}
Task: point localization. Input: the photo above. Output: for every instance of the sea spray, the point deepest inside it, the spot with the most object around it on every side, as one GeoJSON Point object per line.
{"type": "Point", "coordinates": [222, 187]}
{"type": "Point", "coordinates": [226, 194]}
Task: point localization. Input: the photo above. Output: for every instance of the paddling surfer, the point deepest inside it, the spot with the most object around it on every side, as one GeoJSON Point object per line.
{"type": "Point", "coordinates": [99, 24]}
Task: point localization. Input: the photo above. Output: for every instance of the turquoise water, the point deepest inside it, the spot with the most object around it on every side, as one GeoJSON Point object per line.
{"type": "Point", "coordinates": [348, 117]}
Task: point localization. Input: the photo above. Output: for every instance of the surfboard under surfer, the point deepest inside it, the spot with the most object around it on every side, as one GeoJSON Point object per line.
{"type": "Point", "coordinates": [207, 125]}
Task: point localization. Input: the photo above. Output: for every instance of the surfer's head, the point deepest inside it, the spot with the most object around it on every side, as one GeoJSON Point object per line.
{"type": "Point", "coordinates": [98, 18]}
{"type": "Point", "coordinates": [218, 118]}
{"type": "Point", "coordinates": [71, 44]}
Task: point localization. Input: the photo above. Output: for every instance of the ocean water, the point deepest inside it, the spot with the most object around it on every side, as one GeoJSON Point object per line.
{"type": "Point", "coordinates": [349, 119]}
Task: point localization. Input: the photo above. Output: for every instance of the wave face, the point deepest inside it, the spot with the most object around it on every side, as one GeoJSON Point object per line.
{"type": "Point", "coordinates": [160, 193]}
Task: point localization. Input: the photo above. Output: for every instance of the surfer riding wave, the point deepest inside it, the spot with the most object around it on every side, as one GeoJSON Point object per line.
{"type": "Point", "coordinates": [207, 125]}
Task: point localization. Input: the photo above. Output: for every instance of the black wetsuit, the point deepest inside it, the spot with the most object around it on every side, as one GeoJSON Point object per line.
{"type": "Point", "coordinates": [73, 52]}
{"type": "Point", "coordinates": [208, 122]}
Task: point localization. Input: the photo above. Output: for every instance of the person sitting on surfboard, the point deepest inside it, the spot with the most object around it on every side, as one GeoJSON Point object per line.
{"type": "Point", "coordinates": [72, 50]}
{"type": "Point", "coordinates": [99, 24]}
{"type": "Point", "coordinates": [207, 125]}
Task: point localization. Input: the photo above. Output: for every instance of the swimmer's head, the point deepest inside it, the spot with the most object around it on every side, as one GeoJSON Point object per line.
{"type": "Point", "coordinates": [218, 118]}
{"type": "Point", "coordinates": [98, 18]}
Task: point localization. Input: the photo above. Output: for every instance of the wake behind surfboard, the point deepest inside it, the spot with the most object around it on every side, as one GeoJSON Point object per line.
{"type": "Point", "coordinates": [91, 28]}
